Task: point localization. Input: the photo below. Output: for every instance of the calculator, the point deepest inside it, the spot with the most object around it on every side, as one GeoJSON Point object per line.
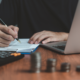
{"type": "Point", "coordinates": [6, 57]}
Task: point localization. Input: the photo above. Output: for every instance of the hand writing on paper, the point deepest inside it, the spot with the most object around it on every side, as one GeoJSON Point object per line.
{"type": "Point", "coordinates": [7, 34]}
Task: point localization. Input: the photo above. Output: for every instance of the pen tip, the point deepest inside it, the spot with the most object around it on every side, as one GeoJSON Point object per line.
{"type": "Point", "coordinates": [19, 41]}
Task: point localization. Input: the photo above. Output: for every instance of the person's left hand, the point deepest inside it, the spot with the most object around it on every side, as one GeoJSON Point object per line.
{"type": "Point", "coordinates": [48, 36]}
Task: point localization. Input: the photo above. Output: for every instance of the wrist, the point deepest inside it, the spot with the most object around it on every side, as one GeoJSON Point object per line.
{"type": "Point", "coordinates": [65, 35]}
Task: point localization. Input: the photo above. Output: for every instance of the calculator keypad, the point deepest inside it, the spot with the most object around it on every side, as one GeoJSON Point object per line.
{"type": "Point", "coordinates": [4, 54]}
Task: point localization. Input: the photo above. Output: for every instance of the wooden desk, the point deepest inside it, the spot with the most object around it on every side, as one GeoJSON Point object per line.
{"type": "Point", "coordinates": [18, 70]}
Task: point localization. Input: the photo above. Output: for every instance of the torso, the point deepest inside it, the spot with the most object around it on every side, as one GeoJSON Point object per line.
{"type": "Point", "coordinates": [36, 15]}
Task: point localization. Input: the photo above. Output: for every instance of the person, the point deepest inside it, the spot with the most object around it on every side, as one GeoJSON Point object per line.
{"type": "Point", "coordinates": [39, 20]}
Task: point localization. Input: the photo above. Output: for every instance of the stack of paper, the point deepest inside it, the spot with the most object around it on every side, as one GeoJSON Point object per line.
{"type": "Point", "coordinates": [24, 46]}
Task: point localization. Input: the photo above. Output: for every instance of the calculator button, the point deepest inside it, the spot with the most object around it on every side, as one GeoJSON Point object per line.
{"type": "Point", "coordinates": [2, 56]}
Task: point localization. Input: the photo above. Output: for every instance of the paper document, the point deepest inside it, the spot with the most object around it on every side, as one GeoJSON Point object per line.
{"type": "Point", "coordinates": [24, 46]}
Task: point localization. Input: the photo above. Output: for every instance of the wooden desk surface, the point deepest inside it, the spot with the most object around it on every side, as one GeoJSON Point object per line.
{"type": "Point", "coordinates": [18, 70]}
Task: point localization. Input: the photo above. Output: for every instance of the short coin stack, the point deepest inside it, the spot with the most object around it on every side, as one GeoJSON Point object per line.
{"type": "Point", "coordinates": [35, 62]}
{"type": "Point", "coordinates": [65, 67]}
{"type": "Point", "coordinates": [51, 65]}
{"type": "Point", "coordinates": [78, 68]}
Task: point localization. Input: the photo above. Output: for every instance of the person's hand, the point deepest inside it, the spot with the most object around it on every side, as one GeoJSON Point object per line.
{"type": "Point", "coordinates": [7, 34]}
{"type": "Point", "coordinates": [48, 36]}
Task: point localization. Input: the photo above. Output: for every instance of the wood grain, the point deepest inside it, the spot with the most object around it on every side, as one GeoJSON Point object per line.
{"type": "Point", "coordinates": [19, 70]}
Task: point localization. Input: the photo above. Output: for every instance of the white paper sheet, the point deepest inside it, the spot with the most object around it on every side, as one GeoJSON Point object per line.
{"type": "Point", "coordinates": [24, 46]}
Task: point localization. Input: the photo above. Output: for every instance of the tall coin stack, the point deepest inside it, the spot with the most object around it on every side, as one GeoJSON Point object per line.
{"type": "Point", "coordinates": [65, 67]}
{"type": "Point", "coordinates": [35, 62]}
{"type": "Point", "coordinates": [51, 65]}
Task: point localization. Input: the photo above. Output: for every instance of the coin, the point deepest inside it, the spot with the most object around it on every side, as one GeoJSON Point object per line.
{"type": "Point", "coordinates": [35, 62]}
{"type": "Point", "coordinates": [65, 67]}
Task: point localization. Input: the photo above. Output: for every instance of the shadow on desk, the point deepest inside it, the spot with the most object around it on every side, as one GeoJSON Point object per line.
{"type": "Point", "coordinates": [23, 71]}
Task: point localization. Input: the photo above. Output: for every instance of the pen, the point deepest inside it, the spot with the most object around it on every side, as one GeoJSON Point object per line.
{"type": "Point", "coordinates": [2, 22]}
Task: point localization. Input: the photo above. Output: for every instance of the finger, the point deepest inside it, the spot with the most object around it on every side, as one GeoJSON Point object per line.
{"type": "Point", "coordinates": [14, 28]}
{"type": "Point", "coordinates": [39, 37]}
{"type": "Point", "coordinates": [34, 37]}
{"type": "Point", "coordinates": [30, 40]}
{"type": "Point", "coordinates": [49, 40]}
{"type": "Point", "coordinates": [42, 37]}
{"type": "Point", "coordinates": [6, 36]}
{"type": "Point", "coordinates": [5, 41]}
{"type": "Point", "coordinates": [3, 45]}
{"type": "Point", "coordinates": [40, 33]}
{"type": "Point", "coordinates": [8, 30]}
{"type": "Point", "coordinates": [3, 28]}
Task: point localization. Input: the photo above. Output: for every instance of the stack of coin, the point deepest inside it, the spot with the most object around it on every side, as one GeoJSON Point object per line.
{"type": "Point", "coordinates": [51, 65]}
{"type": "Point", "coordinates": [78, 68]}
{"type": "Point", "coordinates": [35, 62]}
{"type": "Point", "coordinates": [65, 67]}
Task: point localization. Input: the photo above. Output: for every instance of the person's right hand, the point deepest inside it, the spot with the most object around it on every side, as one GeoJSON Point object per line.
{"type": "Point", "coordinates": [7, 34]}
